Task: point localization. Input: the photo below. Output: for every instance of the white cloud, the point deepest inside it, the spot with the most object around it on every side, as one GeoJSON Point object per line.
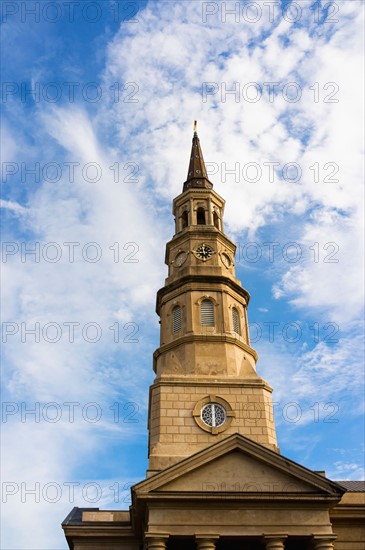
{"type": "Point", "coordinates": [13, 207]}
{"type": "Point", "coordinates": [346, 470]}
{"type": "Point", "coordinates": [330, 370]}
{"type": "Point", "coordinates": [306, 59]}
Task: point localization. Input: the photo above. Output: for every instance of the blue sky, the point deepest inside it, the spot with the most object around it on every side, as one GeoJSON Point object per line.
{"type": "Point", "coordinates": [277, 91]}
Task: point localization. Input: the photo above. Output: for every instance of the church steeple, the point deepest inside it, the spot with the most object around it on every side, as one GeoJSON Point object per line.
{"type": "Point", "coordinates": [197, 172]}
{"type": "Point", "coordinates": [206, 386]}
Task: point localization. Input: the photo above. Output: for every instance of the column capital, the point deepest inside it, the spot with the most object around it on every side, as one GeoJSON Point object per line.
{"type": "Point", "coordinates": [206, 542]}
{"type": "Point", "coordinates": [274, 541]}
{"type": "Point", "coordinates": [323, 542]}
{"type": "Point", "coordinates": [156, 541]}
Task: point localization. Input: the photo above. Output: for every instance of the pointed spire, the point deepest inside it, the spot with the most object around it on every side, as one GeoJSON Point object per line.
{"type": "Point", "coordinates": [197, 173]}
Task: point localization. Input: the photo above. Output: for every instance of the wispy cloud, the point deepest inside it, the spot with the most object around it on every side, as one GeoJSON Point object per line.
{"type": "Point", "coordinates": [14, 207]}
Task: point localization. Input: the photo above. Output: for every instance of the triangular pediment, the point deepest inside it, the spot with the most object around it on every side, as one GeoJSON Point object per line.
{"type": "Point", "coordinates": [237, 472]}
{"type": "Point", "coordinates": [238, 465]}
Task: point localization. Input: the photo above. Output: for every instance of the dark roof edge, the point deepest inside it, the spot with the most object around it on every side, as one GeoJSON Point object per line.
{"type": "Point", "coordinates": [357, 486]}
{"type": "Point", "coordinates": [75, 516]}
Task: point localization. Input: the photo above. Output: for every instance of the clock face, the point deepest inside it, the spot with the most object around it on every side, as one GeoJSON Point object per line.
{"type": "Point", "coordinates": [226, 259]}
{"type": "Point", "coordinates": [180, 259]}
{"type": "Point", "coordinates": [204, 252]}
{"type": "Point", "coordinates": [213, 415]}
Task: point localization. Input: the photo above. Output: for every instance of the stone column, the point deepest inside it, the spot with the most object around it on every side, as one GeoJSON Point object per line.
{"type": "Point", "coordinates": [323, 542]}
{"type": "Point", "coordinates": [206, 542]}
{"type": "Point", "coordinates": [210, 212]}
{"type": "Point", "coordinates": [156, 541]}
{"type": "Point", "coordinates": [274, 542]}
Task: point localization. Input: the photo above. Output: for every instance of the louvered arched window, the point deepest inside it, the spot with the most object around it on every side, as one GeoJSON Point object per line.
{"type": "Point", "coordinates": [200, 216]}
{"type": "Point", "coordinates": [176, 319]}
{"type": "Point", "coordinates": [207, 313]}
{"type": "Point", "coordinates": [236, 321]}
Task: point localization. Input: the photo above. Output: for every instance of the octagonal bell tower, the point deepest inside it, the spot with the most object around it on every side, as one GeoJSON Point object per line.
{"type": "Point", "coordinates": [206, 384]}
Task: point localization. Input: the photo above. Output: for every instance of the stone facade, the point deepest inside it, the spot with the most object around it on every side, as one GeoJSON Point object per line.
{"type": "Point", "coordinates": [175, 433]}
{"type": "Point", "coordinates": [216, 479]}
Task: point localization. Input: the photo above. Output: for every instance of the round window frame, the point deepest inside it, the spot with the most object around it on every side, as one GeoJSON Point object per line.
{"type": "Point", "coordinates": [223, 414]}
{"type": "Point", "coordinates": [213, 399]}
{"type": "Point", "coordinates": [226, 260]}
{"type": "Point", "coordinates": [182, 254]}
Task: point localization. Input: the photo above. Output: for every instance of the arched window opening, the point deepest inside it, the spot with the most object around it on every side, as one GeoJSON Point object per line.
{"type": "Point", "coordinates": [216, 219]}
{"type": "Point", "coordinates": [207, 313]}
{"type": "Point", "coordinates": [200, 216]}
{"type": "Point", "coordinates": [176, 319]}
{"type": "Point", "coordinates": [184, 219]}
{"type": "Point", "coordinates": [236, 321]}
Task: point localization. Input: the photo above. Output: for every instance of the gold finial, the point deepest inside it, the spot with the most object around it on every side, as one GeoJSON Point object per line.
{"type": "Point", "coordinates": [195, 125]}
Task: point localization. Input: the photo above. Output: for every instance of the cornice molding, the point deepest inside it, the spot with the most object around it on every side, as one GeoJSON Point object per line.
{"type": "Point", "coordinates": [200, 279]}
